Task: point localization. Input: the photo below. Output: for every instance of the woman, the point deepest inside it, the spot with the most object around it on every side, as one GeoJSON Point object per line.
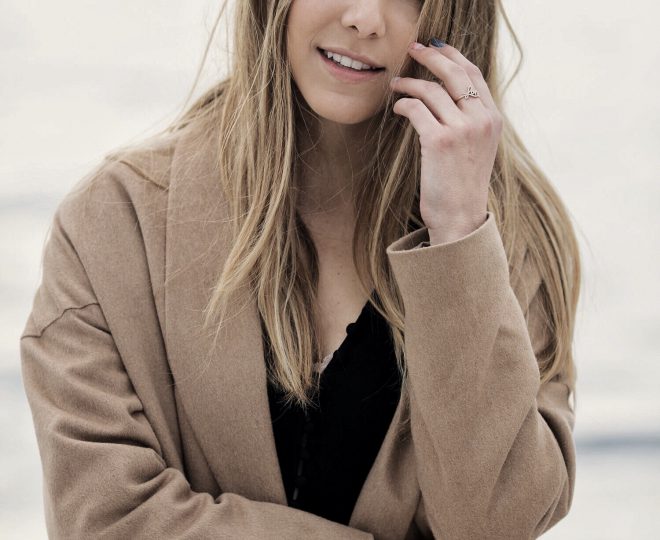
{"type": "Point", "coordinates": [217, 345]}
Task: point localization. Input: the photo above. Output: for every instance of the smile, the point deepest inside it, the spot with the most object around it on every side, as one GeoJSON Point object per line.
{"type": "Point", "coordinates": [348, 70]}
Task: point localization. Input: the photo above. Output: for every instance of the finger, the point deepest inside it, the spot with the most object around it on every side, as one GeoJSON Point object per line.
{"type": "Point", "coordinates": [434, 96]}
{"type": "Point", "coordinates": [420, 117]}
{"type": "Point", "coordinates": [456, 80]}
{"type": "Point", "coordinates": [473, 72]}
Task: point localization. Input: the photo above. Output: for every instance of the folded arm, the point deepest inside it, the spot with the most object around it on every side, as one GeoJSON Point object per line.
{"type": "Point", "coordinates": [495, 454]}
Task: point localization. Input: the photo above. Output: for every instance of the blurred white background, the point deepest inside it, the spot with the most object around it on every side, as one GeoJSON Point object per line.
{"type": "Point", "coordinates": [80, 78]}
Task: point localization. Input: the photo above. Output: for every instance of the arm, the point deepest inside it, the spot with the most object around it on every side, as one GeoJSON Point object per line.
{"type": "Point", "coordinates": [104, 474]}
{"type": "Point", "coordinates": [495, 454]}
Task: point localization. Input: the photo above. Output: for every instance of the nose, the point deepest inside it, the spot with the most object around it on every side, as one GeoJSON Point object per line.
{"type": "Point", "coordinates": [366, 16]}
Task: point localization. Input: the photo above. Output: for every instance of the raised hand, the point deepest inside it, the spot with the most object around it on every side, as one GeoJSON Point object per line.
{"type": "Point", "coordinates": [459, 136]}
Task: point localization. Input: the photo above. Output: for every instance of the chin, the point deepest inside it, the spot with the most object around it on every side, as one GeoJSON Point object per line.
{"type": "Point", "coordinates": [334, 111]}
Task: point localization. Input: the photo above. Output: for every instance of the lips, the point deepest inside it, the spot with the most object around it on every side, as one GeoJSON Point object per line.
{"type": "Point", "coordinates": [354, 57]}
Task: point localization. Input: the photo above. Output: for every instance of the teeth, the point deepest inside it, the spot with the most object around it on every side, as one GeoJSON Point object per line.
{"type": "Point", "coordinates": [348, 62]}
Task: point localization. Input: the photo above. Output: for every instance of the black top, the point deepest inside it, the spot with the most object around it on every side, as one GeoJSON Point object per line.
{"type": "Point", "coordinates": [325, 456]}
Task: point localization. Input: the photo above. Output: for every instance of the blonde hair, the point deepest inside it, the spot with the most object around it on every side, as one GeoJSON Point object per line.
{"type": "Point", "coordinates": [257, 111]}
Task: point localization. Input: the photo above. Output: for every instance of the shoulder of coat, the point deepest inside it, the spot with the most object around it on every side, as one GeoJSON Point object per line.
{"type": "Point", "coordinates": [151, 158]}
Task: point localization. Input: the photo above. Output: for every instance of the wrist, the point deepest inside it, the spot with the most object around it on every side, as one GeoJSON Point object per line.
{"type": "Point", "coordinates": [445, 237]}
{"type": "Point", "coordinates": [453, 231]}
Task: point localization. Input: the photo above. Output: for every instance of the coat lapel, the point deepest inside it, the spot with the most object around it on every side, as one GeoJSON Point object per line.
{"type": "Point", "coordinates": [222, 386]}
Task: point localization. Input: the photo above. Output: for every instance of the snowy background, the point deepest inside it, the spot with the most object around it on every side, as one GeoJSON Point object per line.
{"type": "Point", "coordinates": [80, 78]}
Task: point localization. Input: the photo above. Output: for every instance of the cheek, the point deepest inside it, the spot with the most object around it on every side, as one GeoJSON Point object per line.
{"type": "Point", "coordinates": [402, 36]}
{"type": "Point", "coordinates": [306, 17]}
{"type": "Point", "coordinates": [302, 27]}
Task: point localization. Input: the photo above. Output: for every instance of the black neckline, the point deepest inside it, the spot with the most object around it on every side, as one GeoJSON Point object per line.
{"type": "Point", "coordinates": [353, 326]}
{"type": "Point", "coordinates": [366, 314]}
{"type": "Point", "coordinates": [352, 329]}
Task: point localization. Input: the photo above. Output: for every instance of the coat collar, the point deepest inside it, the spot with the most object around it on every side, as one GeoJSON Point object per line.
{"type": "Point", "coordinates": [222, 386]}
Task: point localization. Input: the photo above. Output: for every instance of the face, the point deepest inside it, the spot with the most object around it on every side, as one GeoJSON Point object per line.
{"type": "Point", "coordinates": [375, 31]}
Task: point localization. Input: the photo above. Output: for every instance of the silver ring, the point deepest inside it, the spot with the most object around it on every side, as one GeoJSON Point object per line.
{"type": "Point", "coordinates": [471, 92]}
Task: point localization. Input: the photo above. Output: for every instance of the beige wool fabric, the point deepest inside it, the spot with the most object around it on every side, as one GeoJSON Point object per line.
{"type": "Point", "coordinates": [146, 430]}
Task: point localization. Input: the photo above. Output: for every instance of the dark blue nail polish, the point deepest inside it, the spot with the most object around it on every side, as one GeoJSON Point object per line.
{"type": "Point", "coordinates": [437, 43]}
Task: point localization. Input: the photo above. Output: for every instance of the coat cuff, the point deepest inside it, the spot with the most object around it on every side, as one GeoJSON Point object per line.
{"type": "Point", "coordinates": [471, 265]}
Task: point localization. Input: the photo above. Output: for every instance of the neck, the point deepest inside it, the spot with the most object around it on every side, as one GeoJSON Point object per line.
{"type": "Point", "coordinates": [332, 159]}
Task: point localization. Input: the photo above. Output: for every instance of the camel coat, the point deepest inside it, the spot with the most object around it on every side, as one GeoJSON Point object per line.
{"type": "Point", "coordinates": [147, 430]}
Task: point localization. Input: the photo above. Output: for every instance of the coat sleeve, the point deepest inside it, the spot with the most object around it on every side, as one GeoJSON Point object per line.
{"type": "Point", "coordinates": [494, 448]}
{"type": "Point", "coordinates": [103, 472]}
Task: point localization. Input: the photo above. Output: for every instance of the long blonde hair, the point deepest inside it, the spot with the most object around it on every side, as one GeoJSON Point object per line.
{"type": "Point", "coordinates": [257, 109]}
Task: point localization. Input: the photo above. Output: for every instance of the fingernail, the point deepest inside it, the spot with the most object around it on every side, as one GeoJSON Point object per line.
{"type": "Point", "coordinates": [395, 79]}
{"type": "Point", "coordinates": [437, 43]}
{"type": "Point", "coordinates": [415, 45]}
